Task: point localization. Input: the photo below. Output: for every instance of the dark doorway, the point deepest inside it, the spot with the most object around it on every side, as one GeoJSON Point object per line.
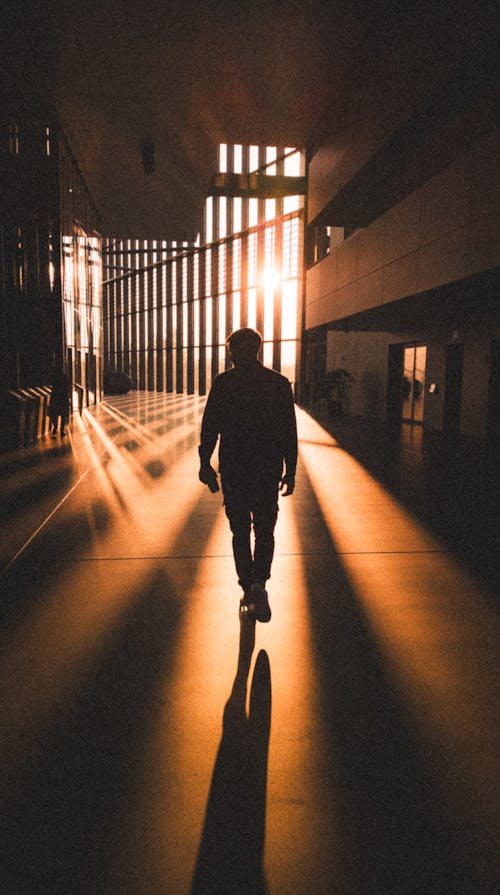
{"type": "Point", "coordinates": [394, 385]}
{"type": "Point", "coordinates": [406, 384]}
{"type": "Point", "coordinates": [452, 391]}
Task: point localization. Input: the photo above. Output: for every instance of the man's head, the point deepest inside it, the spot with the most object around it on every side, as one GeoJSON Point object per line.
{"type": "Point", "coordinates": [244, 344]}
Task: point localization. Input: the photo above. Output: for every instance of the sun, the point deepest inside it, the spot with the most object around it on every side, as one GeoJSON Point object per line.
{"type": "Point", "coordinates": [271, 280]}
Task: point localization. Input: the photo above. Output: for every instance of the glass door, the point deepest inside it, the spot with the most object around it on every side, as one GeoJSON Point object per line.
{"type": "Point", "coordinates": [413, 383]}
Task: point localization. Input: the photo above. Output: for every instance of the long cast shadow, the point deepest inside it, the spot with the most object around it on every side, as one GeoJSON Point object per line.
{"type": "Point", "coordinates": [66, 804]}
{"type": "Point", "coordinates": [34, 489]}
{"type": "Point", "coordinates": [30, 459]}
{"type": "Point", "coordinates": [230, 857]}
{"type": "Point", "coordinates": [398, 835]}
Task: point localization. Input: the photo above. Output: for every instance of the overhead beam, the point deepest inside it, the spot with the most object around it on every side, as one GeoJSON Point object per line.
{"type": "Point", "coordinates": [257, 186]}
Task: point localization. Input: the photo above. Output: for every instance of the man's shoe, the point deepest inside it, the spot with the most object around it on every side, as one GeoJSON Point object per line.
{"type": "Point", "coordinates": [262, 607]}
{"type": "Point", "coordinates": [247, 606]}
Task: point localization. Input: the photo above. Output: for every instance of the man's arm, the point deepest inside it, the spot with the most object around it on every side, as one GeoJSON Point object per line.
{"type": "Point", "coordinates": [290, 449]}
{"type": "Point", "coordinates": [210, 428]}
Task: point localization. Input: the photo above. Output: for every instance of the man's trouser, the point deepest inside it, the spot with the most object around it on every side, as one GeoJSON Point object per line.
{"type": "Point", "coordinates": [250, 505]}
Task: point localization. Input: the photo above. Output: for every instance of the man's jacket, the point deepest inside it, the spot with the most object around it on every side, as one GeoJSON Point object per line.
{"type": "Point", "coordinates": [251, 408]}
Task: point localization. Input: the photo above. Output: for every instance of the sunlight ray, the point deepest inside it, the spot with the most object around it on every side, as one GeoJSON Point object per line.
{"type": "Point", "coordinates": [432, 620]}
{"type": "Point", "coordinates": [60, 638]}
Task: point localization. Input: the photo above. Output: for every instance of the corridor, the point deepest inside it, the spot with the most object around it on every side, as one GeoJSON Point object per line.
{"type": "Point", "coordinates": [154, 745]}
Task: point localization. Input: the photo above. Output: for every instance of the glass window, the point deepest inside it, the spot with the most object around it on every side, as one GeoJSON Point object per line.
{"type": "Point", "coordinates": [270, 209]}
{"type": "Point", "coordinates": [237, 209]}
{"type": "Point", "coordinates": [222, 217]}
{"type": "Point", "coordinates": [271, 156]}
{"type": "Point", "coordinates": [223, 158]}
{"type": "Point", "coordinates": [292, 203]}
{"type": "Point", "coordinates": [236, 310]}
{"type": "Point", "coordinates": [245, 270]}
{"type": "Point", "coordinates": [252, 307]}
{"type": "Point", "coordinates": [253, 158]}
{"type": "Point", "coordinates": [238, 159]}
{"type": "Point", "coordinates": [253, 212]}
{"type": "Point", "coordinates": [293, 163]}
{"type": "Point", "coordinates": [289, 309]}
{"type": "Point", "coordinates": [209, 219]}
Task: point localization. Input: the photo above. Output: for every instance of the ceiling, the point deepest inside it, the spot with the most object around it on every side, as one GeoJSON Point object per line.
{"type": "Point", "coordinates": [185, 76]}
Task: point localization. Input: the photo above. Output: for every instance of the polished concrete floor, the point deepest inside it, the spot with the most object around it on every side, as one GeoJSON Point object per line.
{"type": "Point", "coordinates": [153, 745]}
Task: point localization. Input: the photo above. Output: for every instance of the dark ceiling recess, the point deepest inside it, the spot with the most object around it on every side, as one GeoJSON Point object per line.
{"type": "Point", "coordinates": [191, 75]}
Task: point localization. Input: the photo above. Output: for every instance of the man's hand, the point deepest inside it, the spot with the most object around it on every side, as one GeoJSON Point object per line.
{"type": "Point", "coordinates": [287, 483]}
{"type": "Point", "coordinates": [208, 476]}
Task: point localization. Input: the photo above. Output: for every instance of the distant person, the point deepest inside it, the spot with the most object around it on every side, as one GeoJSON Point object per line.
{"type": "Point", "coordinates": [251, 409]}
{"type": "Point", "coordinates": [59, 403]}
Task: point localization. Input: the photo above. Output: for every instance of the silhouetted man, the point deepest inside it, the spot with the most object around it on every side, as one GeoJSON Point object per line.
{"type": "Point", "coordinates": [60, 397]}
{"type": "Point", "coordinates": [251, 408]}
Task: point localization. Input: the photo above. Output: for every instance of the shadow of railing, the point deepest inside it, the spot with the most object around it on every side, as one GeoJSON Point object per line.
{"type": "Point", "coordinates": [230, 857]}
